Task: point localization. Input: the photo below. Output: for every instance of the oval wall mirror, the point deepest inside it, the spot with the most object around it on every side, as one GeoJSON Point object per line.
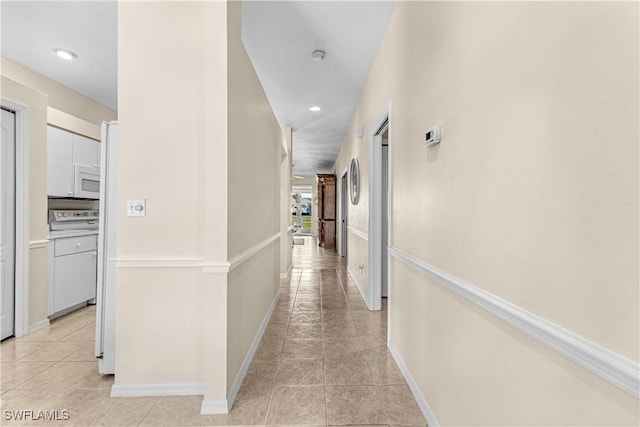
{"type": "Point", "coordinates": [354, 173]}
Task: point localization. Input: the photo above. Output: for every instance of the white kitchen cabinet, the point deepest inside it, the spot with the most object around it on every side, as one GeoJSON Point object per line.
{"type": "Point", "coordinates": [73, 272]}
{"type": "Point", "coordinates": [86, 151]}
{"type": "Point", "coordinates": [64, 151]}
{"type": "Point", "coordinates": [59, 162]}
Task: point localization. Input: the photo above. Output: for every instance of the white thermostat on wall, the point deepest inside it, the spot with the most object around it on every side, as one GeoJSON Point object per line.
{"type": "Point", "coordinates": [432, 136]}
{"type": "Point", "coordinates": [137, 207]}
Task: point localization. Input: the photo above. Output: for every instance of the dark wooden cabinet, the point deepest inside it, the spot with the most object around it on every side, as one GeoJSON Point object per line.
{"type": "Point", "coordinates": [326, 210]}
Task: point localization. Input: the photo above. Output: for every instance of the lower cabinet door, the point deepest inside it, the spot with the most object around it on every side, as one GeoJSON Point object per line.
{"type": "Point", "coordinates": [75, 279]}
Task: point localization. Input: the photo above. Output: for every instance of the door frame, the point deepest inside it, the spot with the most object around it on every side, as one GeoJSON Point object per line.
{"type": "Point", "coordinates": [21, 312]}
{"type": "Point", "coordinates": [344, 211]}
{"type": "Point", "coordinates": [375, 206]}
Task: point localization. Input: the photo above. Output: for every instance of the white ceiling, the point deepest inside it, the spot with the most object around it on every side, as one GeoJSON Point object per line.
{"type": "Point", "coordinates": [32, 29]}
{"type": "Point", "coordinates": [278, 35]}
{"type": "Point", "coordinates": [281, 35]}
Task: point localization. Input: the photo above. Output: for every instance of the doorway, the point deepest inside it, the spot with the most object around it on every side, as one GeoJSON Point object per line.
{"type": "Point", "coordinates": [302, 209]}
{"type": "Point", "coordinates": [7, 227]}
{"type": "Point", "coordinates": [379, 211]}
{"type": "Point", "coordinates": [344, 212]}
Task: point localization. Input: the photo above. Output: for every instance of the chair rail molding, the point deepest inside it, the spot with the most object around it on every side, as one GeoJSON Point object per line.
{"type": "Point", "coordinates": [610, 366]}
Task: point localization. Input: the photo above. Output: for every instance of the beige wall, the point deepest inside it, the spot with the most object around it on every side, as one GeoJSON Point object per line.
{"type": "Point", "coordinates": [47, 102]}
{"type": "Point", "coordinates": [532, 196]}
{"type": "Point", "coordinates": [255, 150]}
{"type": "Point", "coordinates": [199, 141]}
{"type": "Point", "coordinates": [172, 150]}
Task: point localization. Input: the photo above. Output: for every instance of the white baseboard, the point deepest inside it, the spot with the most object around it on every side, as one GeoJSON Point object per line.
{"type": "Point", "coordinates": [214, 406]}
{"type": "Point", "coordinates": [427, 413]}
{"type": "Point", "coordinates": [358, 286]}
{"type": "Point", "coordinates": [39, 325]}
{"type": "Point", "coordinates": [222, 406]}
{"type": "Point", "coordinates": [157, 389]}
{"type": "Point", "coordinates": [288, 273]}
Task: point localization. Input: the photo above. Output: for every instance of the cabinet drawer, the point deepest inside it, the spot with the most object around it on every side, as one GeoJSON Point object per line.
{"type": "Point", "coordinates": [72, 245]}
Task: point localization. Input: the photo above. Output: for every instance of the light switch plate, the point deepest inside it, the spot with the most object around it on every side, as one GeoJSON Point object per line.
{"type": "Point", "coordinates": [137, 207]}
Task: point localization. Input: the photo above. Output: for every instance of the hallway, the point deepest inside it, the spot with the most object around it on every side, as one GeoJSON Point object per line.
{"type": "Point", "coordinates": [322, 361]}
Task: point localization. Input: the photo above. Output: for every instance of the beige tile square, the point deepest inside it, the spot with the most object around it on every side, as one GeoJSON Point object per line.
{"type": "Point", "coordinates": [385, 371]}
{"type": "Point", "coordinates": [249, 408]}
{"type": "Point", "coordinates": [280, 317]}
{"type": "Point", "coordinates": [274, 331]}
{"type": "Point", "coordinates": [306, 317]}
{"type": "Point", "coordinates": [94, 407]}
{"type": "Point", "coordinates": [311, 298]}
{"type": "Point", "coordinates": [54, 352]}
{"type": "Point", "coordinates": [347, 371]}
{"type": "Point", "coordinates": [400, 405]}
{"type": "Point", "coordinates": [341, 347]}
{"type": "Point", "coordinates": [262, 372]}
{"type": "Point", "coordinates": [86, 353]}
{"type": "Point", "coordinates": [306, 306]}
{"type": "Point", "coordinates": [354, 405]}
{"type": "Point", "coordinates": [86, 333]}
{"type": "Point", "coordinates": [304, 330]}
{"type": "Point", "coordinates": [302, 348]}
{"type": "Point", "coordinates": [175, 411]}
{"type": "Point", "coordinates": [13, 350]}
{"type": "Point", "coordinates": [15, 373]}
{"type": "Point", "coordinates": [270, 348]}
{"type": "Point", "coordinates": [300, 372]}
{"type": "Point", "coordinates": [297, 405]}
{"type": "Point", "coordinates": [336, 316]}
{"type": "Point", "coordinates": [66, 376]}
{"type": "Point", "coordinates": [339, 330]}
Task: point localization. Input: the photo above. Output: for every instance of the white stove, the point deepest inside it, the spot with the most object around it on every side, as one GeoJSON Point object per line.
{"type": "Point", "coordinates": [73, 219]}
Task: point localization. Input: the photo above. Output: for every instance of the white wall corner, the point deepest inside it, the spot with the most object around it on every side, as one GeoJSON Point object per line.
{"type": "Point", "coordinates": [427, 413]}
{"type": "Point", "coordinates": [39, 325]}
{"type": "Point", "coordinates": [214, 406]}
{"type": "Point", "coordinates": [157, 389]}
{"type": "Point", "coordinates": [287, 274]}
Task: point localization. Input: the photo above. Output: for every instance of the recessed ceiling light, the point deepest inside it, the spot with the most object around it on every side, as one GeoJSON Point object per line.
{"type": "Point", "coordinates": [65, 54]}
{"type": "Point", "coordinates": [318, 55]}
{"type": "Point", "coordinates": [314, 108]}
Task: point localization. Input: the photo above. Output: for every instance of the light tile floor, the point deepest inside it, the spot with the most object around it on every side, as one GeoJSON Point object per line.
{"type": "Point", "coordinates": [322, 361]}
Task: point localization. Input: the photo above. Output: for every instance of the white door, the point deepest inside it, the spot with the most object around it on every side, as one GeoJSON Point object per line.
{"type": "Point", "coordinates": [344, 208]}
{"type": "Point", "coordinates": [7, 227]}
{"type": "Point", "coordinates": [384, 213]}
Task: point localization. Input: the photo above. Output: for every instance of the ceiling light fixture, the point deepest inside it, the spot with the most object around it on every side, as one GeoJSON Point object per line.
{"type": "Point", "coordinates": [65, 54]}
{"type": "Point", "coordinates": [318, 55]}
{"type": "Point", "coordinates": [314, 108]}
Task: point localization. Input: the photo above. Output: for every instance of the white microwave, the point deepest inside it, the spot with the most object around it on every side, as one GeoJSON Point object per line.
{"type": "Point", "coordinates": [86, 182]}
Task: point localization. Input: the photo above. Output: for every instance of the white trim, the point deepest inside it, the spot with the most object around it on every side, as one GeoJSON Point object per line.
{"type": "Point", "coordinates": [210, 267]}
{"type": "Point", "coordinates": [156, 389]}
{"type": "Point", "coordinates": [244, 256]}
{"type": "Point", "coordinates": [358, 233]}
{"type": "Point", "coordinates": [599, 360]}
{"type": "Point", "coordinates": [149, 262]}
{"type": "Point", "coordinates": [38, 244]}
{"type": "Point", "coordinates": [210, 406]}
{"type": "Point", "coordinates": [374, 301]}
{"type": "Point", "coordinates": [214, 406]}
{"type": "Point", "coordinates": [427, 413]}
{"type": "Point", "coordinates": [290, 229]}
{"type": "Point", "coordinates": [21, 324]}
{"type": "Point", "coordinates": [287, 274]}
{"type": "Point", "coordinates": [357, 283]}
{"type": "Point", "coordinates": [39, 325]}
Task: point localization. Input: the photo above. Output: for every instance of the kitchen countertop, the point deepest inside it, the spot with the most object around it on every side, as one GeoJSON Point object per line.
{"type": "Point", "coordinates": [70, 233]}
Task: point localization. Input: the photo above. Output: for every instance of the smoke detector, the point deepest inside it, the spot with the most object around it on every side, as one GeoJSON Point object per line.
{"type": "Point", "coordinates": [318, 55]}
